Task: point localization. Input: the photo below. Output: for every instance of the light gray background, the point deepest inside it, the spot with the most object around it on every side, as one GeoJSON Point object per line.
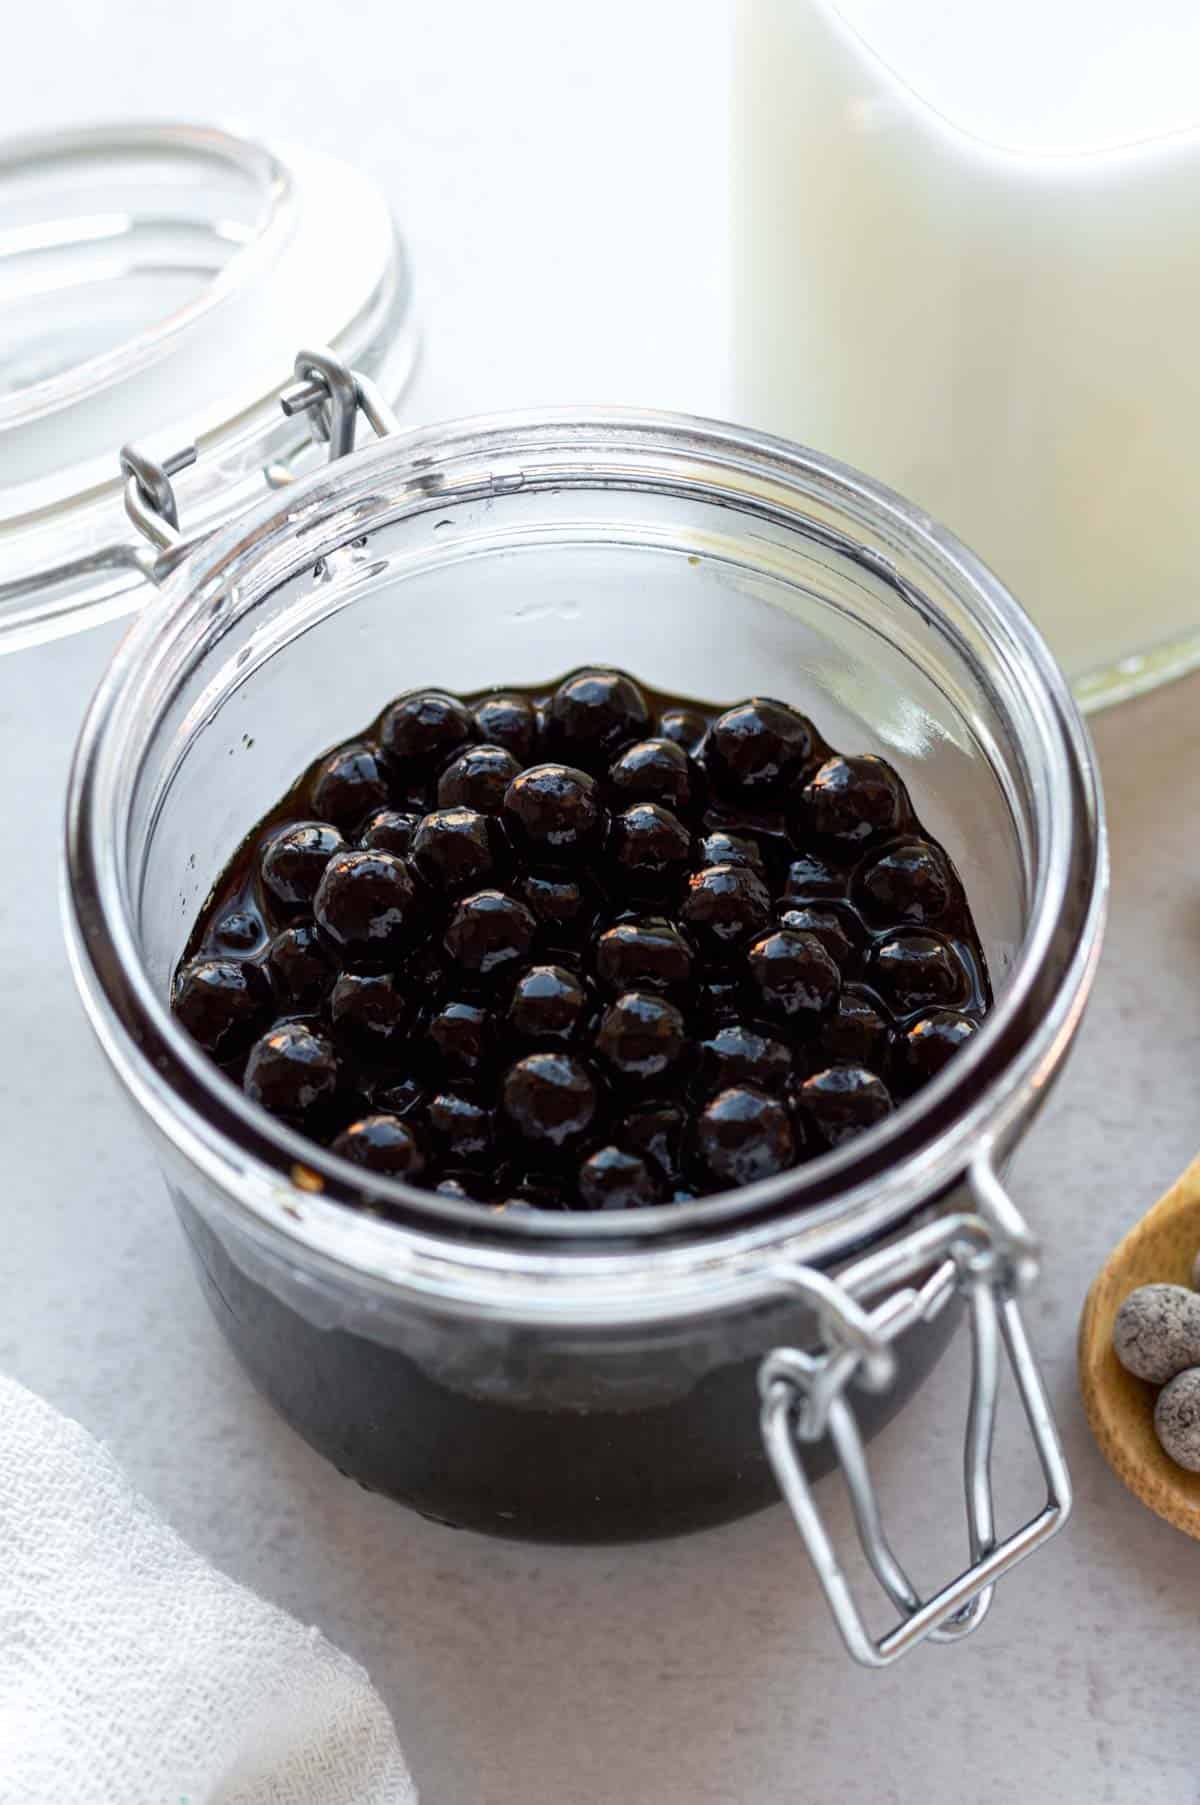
{"type": "Point", "coordinates": [560, 172]}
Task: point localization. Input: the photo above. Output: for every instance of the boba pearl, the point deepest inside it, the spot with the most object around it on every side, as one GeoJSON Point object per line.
{"type": "Point", "coordinates": [653, 771]}
{"type": "Point", "coordinates": [367, 905]}
{"type": "Point", "coordinates": [550, 1099]}
{"type": "Point", "coordinates": [843, 1101]}
{"type": "Point", "coordinates": [369, 1013]}
{"type": "Point", "coordinates": [299, 969]}
{"type": "Point", "coordinates": [461, 1129]}
{"type": "Point", "coordinates": [743, 1135]}
{"type": "Point", "coordinates": [561, 905]}
{"type": "Point", "coordinates": [1177, 1419]}
{"type": "Point", "coordinates": [759, 749]}
{"type": "Point", "coordinates": [593, 715]}
{"type": "Point", "coordinates": [548, 1003]}
{"type": "Point", "coordinates": [459, 1039]}
{"type": "Point", "coordinates": [238, 932]}
{"type": "Point", "coordinates": [489, 932]}
{"type": "Point", "coordinates": [736, 1054]}
{"type": "Point", "coordinates": [929, 1043]}
{"type": "Point", "coordinates": [641, 1037]}
{"type": "Point", "coordinates": [452, 849]}
{"type": "Point", "coordinates": [852, 799]}
{"type": "Point", "coordinates": [686, 727]}
{"type": "Point", "coordinates": [651, 846]}
{"type": "Point", "coordinates": [723, 848]}
{"type": "Point", "coordinates": [909, 881]}
{"type": "Point", "coordinates": [349, 784]}
{"type": "Point", "coordinates": [221, 1003]}
{"type": "Point", "coordinates": [426, 730]}
{"type": "Point", "coordinates": [293, 862]}
{"type": "Point", "coordinates": [291, 1070]}
{"type": "Point", "coordinates": [508, 721]}
{"type": "Point", "coordinates": [478, 779]}
{"type": "Point", "coordinates": [793, 977]}
{"type": "Point", "coordinates": [383, 1144]}
{"type": "Point", "coordinates": [812, 879]}
{"type": "Point", "coordinates": [1157, 1332]}
{"type": "Point", "coordinates": [657, 1135]}
{"type": "Point", "coordinates": [724, 906]}
{"type": "Point", "coordinates": [554, 812]}
{"type": "Point", "coordinates": [390, 830]}
{"type": "Point", "coordinates": [645, 953]}
{"type": "Point", "coordinates": [611, 1179]}
{"type": "Point", "coordinates": [917, 970]}
{"type": "Point", "coordinates": [832, 929]}
{"type": "Point", "coordinates": [859, 1031]}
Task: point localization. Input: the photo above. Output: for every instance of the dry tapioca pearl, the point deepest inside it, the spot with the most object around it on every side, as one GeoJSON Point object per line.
{"type": "Point", "coordinates": [293, 862]}
{"type": "Point", "coordinates": [852, 799]}
{"type": "Point", "coordinates": [651, 847]}
{"type": "Point", "coordinates": [915, 971]}
{"type": "Point", "coordinates": [478, 779]}
{"type": "Point", "coordinates": [909, 881]}
{"type": "Point", "coordinates": [593, 714]}
{"type": "Point", "coordinates": [461, 1129]}
{"type": "Point", "coordinates": [509, 721]}
{"type": "Point", "coordinates": [834, 930]}
{"type": "Point", "coordinates": [612, 1179]}
{"type": "Point", "coordinates": [238, 932]}
{"type": "Point", "coordinates": [646, 953]}
{"type": "Point", "coordinates": [389, 830]}
{"type": "Point", "coordinates": [930, 1043]}
{"type": "Point", "coordinates": [685, 726]}
{"type": "Point", "coordinates": [299, 968]}
{"type": "Point", "coordinates": [736, 1054]}
{"type": "Point", "coordinates": [383, 1144]}
{"type": "Point", "coordinates": [291, 1069]}
{"type": "Point", "coordinates": [721, 999]}
{"type": "Point", "coordinates": [554, 812]}
{"type": "Point", "coordinates": [459, 1039]}
{"type": "Point", "coordinates": [843, 1101]}
{"type": "Point", "coordinates": [548, 1003]}
{"type": "Point", "coordinates": [550, 1099]}
{"type": "Point", "coordinates": [641, 1037]}
{"type": "Point", "coordinates": [563, 908]}
{"type": "Point", "coordinates": [453, 850]}
{"type": "Point", "coordinates": [653, 771]}
{"type": "Point", "coordinates": [489, 932]}
{"type": "Point", "coordinates": [722, 847]}
{"type": "Point", "coordinates": [349, 784]}
{"type": "Point", "coordinates": [743, 1135]}
{"type": "Point", "coordinates": [657, 1135]}
{"type": "Point", "coordinates": [221, 1002]}
{"type": "Point", "coordinates": [858, 1031]}
{"type": "Point", "coordinates": [370, 1014]}
{"type": "Point", "coordinates": [759, 749]}
{"type": "Point", "coordinates": [367, 905]}
{"type": "Point", "coordinates": [724, 906]}
{"type": "Point", "coordinates": [793, 977]}
{"type": "Point", "coordinates": [426, 730]}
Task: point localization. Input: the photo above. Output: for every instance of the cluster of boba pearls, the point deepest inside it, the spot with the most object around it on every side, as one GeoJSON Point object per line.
{"type": "Point", "coordinates": [564, 953]}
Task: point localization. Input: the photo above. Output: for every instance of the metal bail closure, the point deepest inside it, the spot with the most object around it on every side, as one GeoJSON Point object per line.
{"type": "Point", "coordinates": [331, 394]}
{"type": "Point", "coordinates": [988, 1258]}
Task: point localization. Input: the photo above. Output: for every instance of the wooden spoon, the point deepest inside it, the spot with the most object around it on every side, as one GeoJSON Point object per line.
{"type": "Point", "coordinates": [1120, 1408]}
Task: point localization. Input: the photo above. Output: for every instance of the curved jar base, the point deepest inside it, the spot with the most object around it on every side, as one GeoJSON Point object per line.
{"type": "Point", "coordinates": [570, 1476]}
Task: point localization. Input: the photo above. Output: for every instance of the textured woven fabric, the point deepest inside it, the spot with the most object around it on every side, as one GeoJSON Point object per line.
{"type": "Point", "coordinates": [132, 1671]}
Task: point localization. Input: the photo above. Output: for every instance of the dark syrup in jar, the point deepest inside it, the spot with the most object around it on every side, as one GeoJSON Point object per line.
{"type": "Point", "coordinates": [585, 947]}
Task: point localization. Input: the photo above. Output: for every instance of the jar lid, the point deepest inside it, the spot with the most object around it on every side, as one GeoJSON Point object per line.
{"type": "Point", "coordinates": [155, 282]}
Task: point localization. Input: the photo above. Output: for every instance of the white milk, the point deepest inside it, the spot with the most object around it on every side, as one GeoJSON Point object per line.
{"type": "Point", "coordinates": [967, 256]}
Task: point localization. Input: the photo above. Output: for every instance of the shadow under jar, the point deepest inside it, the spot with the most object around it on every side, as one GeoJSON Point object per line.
{"type": "Point", "coordinates": [555, 1376]}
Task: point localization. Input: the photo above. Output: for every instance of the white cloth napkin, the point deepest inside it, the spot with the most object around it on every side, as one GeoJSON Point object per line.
{"type": "Point", "coordinates": [131, 1671]}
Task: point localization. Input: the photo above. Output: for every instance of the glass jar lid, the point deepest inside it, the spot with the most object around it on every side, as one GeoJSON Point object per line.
{"type": "Point", "coordinates": [154, 283]}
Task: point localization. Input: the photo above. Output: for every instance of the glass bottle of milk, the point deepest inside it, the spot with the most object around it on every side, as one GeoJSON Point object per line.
{"type": "Point", "coordinates": [967, 260]}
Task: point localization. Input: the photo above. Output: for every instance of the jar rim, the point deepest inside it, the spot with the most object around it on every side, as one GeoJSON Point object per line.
{"type": "Point", "coordinates": [435, 1243]}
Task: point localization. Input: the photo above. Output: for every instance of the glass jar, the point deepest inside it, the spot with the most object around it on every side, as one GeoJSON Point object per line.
{"type": "Point", "coordinates": [577, 1377]}
{"type": "Point", "coordinates": [965, 260]}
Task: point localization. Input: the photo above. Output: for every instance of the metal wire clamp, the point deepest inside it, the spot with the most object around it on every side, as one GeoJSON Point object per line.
{"type": "Point", "coordinates": [324, 389]}
{"type": "Point", "coordinates": [988, 1258]}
